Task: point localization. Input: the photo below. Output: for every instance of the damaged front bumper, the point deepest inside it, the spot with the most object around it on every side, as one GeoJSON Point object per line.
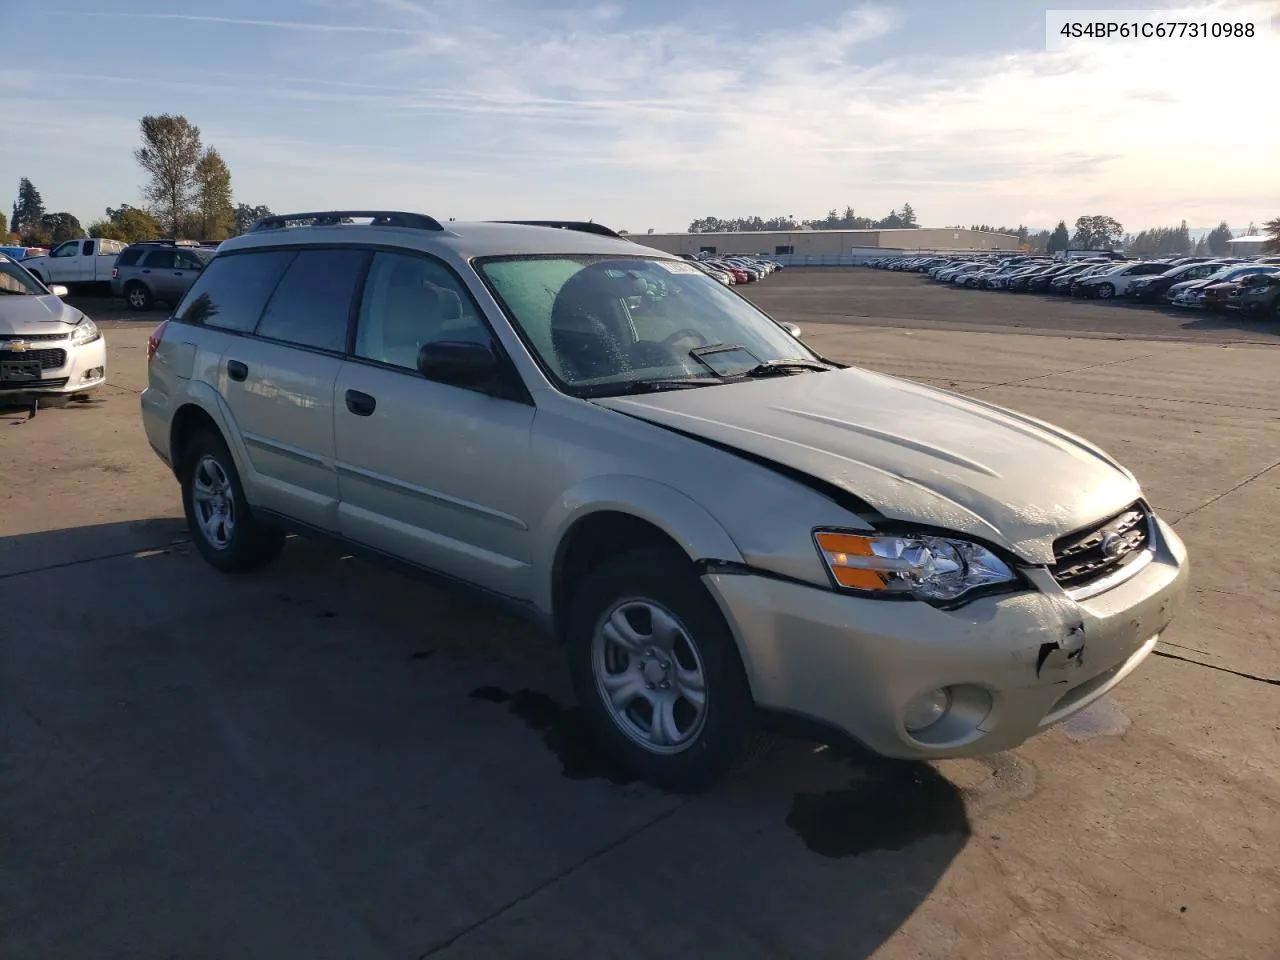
{"type": "Point", "coordinates": [1012, 665]}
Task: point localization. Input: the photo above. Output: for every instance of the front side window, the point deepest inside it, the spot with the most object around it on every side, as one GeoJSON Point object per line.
{"type": "Point", "coordinates": [311, 305]}
{"type": "Point", "coordinates": [68, 249]}
{"type": "Point", "coordinates": [602, 324]}
{"type": "Point", "coordinates": [233, 290]}
{"type": "Point", "coordinates": [409, 302]}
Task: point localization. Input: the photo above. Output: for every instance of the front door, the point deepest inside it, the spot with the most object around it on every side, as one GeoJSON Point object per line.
{"type": "Point", "coordinates": [64, 260]}
{"type": "Point", "coordinates": [428, 472]}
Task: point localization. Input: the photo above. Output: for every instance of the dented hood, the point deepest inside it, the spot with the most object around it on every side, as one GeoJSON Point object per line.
{"type": "Point", "coordinates": [911, 452]}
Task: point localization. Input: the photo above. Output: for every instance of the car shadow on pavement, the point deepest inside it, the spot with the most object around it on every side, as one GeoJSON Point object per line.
{"type": "Point", "coordinates": [329, 758]}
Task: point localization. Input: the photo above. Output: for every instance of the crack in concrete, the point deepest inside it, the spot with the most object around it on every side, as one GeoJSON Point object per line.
{"type": "Point", "coordinates": [1063, 373]}
{"type": "Point", "coordinates": [1226, 493]}
{"type": "Point", "coordinates": [550, 881]}
{"type": "Point", "coordinates": [1213, 666]}
{"type": "Point", "coordinates": [106, 556]}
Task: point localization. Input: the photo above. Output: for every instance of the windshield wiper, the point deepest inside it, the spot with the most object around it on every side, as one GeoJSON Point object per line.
{"type": "Point", "coordinates": [790, 365]}
{"type": "Point", "coordinates": [648, 386]}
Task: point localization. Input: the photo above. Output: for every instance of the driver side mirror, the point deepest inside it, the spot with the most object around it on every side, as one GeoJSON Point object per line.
{"type": "Point", "coordinates": [58, 290]}
{"type": "Point", "coordinates": [792, 329]}
{"type": "Point", "coordinates": [459, 363]}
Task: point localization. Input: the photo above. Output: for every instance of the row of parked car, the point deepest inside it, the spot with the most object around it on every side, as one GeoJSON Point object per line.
{"type": "Point", "coordinates": [1249, 285]}
{"type": "Point", "coordinates": [733, 269]}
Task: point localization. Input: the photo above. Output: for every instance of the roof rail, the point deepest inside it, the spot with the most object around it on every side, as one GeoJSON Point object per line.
{"type": "Point", "coordinates": [582, 226]}
{"type": "Point", "coordinates": [329, 218]}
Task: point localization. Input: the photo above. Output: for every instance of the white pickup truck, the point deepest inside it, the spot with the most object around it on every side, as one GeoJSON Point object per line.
{"type": "Point", "coordinates": [77, 262]}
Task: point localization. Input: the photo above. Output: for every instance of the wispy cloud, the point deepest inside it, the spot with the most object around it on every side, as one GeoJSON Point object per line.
{"type": "Point", "coordinates": [597, 110]}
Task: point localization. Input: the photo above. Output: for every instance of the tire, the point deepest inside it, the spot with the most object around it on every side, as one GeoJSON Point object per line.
{"type": "Point", "coordinates": [1106, 291]}
{"type": "Point", "coordinates": [702, 744]}
{"type": "Point", "coordinates": [138, 296]}
{"type": "Point", "coordinates": [211, 486]}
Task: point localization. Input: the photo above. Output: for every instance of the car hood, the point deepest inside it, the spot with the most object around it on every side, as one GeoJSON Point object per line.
{"type": "Point", "coordinates": [1191, 285]}
{"type": "Point", "coordinates": [911, 452]}
{"type": "Point", "coordinates": [47, 314]}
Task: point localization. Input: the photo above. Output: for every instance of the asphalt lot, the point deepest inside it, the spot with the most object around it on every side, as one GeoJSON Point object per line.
{"type": "Point", "coordinates": [330, 760]}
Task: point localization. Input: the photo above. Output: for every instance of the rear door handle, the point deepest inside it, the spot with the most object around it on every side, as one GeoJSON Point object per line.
{"type": "Point", "coordinates": [361, 404]}
{"type": "Point", "coordinates": [237, 371]}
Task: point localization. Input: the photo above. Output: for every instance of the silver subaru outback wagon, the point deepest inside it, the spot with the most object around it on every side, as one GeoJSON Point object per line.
{"type": "Point", "coordinates": [714, 519]}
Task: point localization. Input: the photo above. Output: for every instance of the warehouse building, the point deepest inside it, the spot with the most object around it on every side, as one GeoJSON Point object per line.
{"type": "Point", "coordinates": [799, 247]}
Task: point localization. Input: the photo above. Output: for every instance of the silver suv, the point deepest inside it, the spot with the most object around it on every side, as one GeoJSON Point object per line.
{"type": "Point", "coordinates": [156, 270]}
{"type": "Point", "coordinates": [718, 522]}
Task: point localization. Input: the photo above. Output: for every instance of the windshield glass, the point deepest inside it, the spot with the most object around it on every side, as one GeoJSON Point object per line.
{"type": "Point", "coordinates": [601, 325]}
{"type": "Point", "coordinates": [15, 280]}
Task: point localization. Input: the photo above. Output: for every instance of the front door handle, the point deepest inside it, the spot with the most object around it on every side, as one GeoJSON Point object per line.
{"type": "Point", "coordinates": [237, 371]}
{"type": "Point", "coordinates": [361, 404]}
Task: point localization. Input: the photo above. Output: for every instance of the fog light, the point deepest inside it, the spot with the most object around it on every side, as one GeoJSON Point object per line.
{"type": "Point", "coordinates": [92, 374]}
{"type": "Point", "coordinates": [926, 709]}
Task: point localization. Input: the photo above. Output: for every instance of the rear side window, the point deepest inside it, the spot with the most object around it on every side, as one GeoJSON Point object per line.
{"type": "Point", "coordinates": [159, 260]}
{"type": "Point", "coordinates": [312, 303]}
{"type": "Point", "coordinates": [232, 291]}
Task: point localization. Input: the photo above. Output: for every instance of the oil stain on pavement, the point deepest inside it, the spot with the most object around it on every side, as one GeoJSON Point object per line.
{"type": "Point", "coordinates": [562, 731]}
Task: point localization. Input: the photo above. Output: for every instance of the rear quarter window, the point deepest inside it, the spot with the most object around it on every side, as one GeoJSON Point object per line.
{"type": "Point", "coordinates": [232, 291]}
{"type": "Point", "coordinates": [128, 258]}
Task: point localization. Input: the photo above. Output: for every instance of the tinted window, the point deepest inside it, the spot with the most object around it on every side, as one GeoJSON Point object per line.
{"type": "Point", "coordinates": [410, 301]}
{"type": "Point", "coordinates": [87, 249]}
{"type": "Point", "coordinates": [159, 260]}
{"type": "Point", "coordinates": [232, 290]}
{"type": "Point", "coordinates": [129, 257]}
{"type": "Point", "coordinates": [312, 303]}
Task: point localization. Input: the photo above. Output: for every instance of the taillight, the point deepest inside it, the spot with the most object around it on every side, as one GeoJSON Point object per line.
{"type": "Point", "coordinates": [115, 273]}
{"type": "Point", "coordinates": [153, 341]}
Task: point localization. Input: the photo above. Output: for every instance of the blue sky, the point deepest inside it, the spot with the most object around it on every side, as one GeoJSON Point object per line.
{"type": "Point", "coordinates": [648, 114]}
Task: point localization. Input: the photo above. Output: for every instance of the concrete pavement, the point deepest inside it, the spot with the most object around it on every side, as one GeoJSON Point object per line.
{"type": "Point", "coordinates": [329, 760]}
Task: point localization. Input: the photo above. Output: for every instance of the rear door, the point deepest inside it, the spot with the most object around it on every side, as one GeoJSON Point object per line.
{"type": "Point", "coordinates": [288, 311]}
{"type": "Point", "coordinates": [430, 472]}
{"type": "Point", "coordinates": [157, 271]}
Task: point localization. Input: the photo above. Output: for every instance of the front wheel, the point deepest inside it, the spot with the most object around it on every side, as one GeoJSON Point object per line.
{"type": "Point", "coordinates": [222, 525]}
{"type": "Point", "coordinates": [656, 672]}
{"type": "Point", "coordinates": [1106, 291]}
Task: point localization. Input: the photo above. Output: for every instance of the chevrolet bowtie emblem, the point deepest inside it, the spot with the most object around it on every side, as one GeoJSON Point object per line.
{"type": "Point", "coordinates": [16, 346]}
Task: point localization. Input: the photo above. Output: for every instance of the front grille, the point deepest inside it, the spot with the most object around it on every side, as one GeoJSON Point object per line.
{"type": "Point", "coordinates": [48, 359]}
{"type": "Point", "coordinates": [23, 385]}
{"type": "Point", "coordinates": [1085, 556]}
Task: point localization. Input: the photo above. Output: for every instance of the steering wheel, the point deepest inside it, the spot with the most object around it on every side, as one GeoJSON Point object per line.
{"type": "Point", "coordinates": [680, 334]}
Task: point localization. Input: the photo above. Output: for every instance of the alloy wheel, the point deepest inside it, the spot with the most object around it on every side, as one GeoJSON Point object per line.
{"type": "Point", "coordinates": [650, 676]}
{"type": "Point", "coordinates": [214, 502]}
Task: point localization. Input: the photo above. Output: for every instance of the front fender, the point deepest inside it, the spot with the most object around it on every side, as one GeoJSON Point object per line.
{"type": "Point", "coordinates": [680, 517]}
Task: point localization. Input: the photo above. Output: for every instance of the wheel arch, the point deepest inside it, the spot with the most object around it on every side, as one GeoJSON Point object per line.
{"type": "Point", "coordinates": [607, 516]}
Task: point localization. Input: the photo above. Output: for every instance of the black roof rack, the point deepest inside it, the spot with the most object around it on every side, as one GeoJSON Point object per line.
{"type": "Point", "coordinates": [582, 226]}
{"type": "Point", "coordinates": [329, 218]}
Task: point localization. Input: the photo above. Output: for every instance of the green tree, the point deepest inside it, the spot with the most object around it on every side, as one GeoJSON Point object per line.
{"type": "Point", "coordinates": [1097, 233]}
{"type": "Point", "coordinates": [908, 216]}
{"type": "Point", "coordinates": [170, 154]}
{"type": "Point", "coordinates": [1273, 231]}
{"type": "Point", "coordinates": [1217, 239]}
{"type": "Point", "coordinates": [28, 210]}
{"type": "Point", "coordinates": [61, 226]}
{"type": "Point", "coordinates": [1059, 240]}
{"type": "Point", "coordinates": [213, 197]}
{"type": "Point", "coordinates": [127, 224]}
{"type": "Point", "coordinates": [244, 216]}
{"type": "Point", "coordinates": [4, 226]}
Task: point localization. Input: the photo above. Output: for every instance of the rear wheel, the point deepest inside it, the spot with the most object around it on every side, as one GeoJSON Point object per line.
{"type": "Point", "coordinates": [138, 296]}
{"type": "Point", "coordinates": [656, 672]}
{"type": "Point", "coordinates": [222, 525]}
